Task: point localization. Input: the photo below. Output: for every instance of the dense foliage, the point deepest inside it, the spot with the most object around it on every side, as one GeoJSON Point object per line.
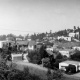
{"type": "Point", "coordinates": [37, 55]}
{"type": "Point", "coordinates": [9, 73]}
{"type": "Point", "coordinates": [76, 55]}
{"type": "Point", "coordinates": [54, 75]}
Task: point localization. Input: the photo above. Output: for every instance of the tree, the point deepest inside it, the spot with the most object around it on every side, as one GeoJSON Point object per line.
{"type": "Point", "coordinates": [49, 76]}
{"type": "Point", "coordinates": [59, 56]}
{"type": "Point", "coordinates": [3, 37]}
{"type": "Point", "coordinates": [33, 56]}
{"type": "Point", "coordinates": [57, 74]}
{"type": "Point", "coordinates": [74, 28]}
{"type": "Point", "coordinates": [76, 56]}
{"type": "Point", "coordinates": [11, 37]}
{"type": "Point", "coordinates": [54, 75]}
{"type": "Point", "coordinates": [10, 73]}
{"type": "Point", "coordinates": [20, 36]}
{"type": "Point", "coordinates": [46, 62]}
{"type": "Point", "coordinates": [37, 55]}
{"type": "Point", "coordinates": [43, 52]}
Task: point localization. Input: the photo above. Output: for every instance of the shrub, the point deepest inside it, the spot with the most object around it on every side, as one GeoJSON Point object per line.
{"type": "Point", "coordinates": [76, 56]}
{"type": "Point", "coordinates": [33, 56]}
{"type": "Point", "coordinates": [9, 73]}
{"type": "Point", "coordinates": [54, 75]}
{"type": "Point", "coordinates": [49, 75]}
{"type": "Point", "coordinates": [22, 75]}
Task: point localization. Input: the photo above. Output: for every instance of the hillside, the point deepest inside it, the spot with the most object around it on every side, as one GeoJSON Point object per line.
{"type": "Point", "coordinates": [67, 44]}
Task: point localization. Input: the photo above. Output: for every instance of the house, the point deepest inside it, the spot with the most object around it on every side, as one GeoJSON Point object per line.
{"type": "Point", "coordinates": [16, 56]}
{"type": "Point", "coordinates": [65, 64]}
{"type": "Point", "coordinates": [6, 43]}
{"type": "Point", "coordinates": [64, 38]}
{"type": "Point", "coordinates": [21, 57]}
{"type": "Point", "coordinates": [72, 34]}
{"type": "Point", "coordinates": [67, 38]}
{"type": "Point", "coordinates": [51, 48]}
{"type": "Point", "coordinates": [22, 42]}
{"type": "Point", "coordinates": [17, 39]}
{"type": "Point", "coordinates": [32, 45]}
{"type": "Point", "coordinates": [22, 45]}
{"type": "Point", "coordinates": [1, 44]}
{"type": "Point", "coordinates": [64, 53]}
{"type": "Point", "coordinates": [76, 47]}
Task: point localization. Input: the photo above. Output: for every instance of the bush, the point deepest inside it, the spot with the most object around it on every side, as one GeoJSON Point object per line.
{"type": "Point", "coordinates": [76, 56]}
{"type": "Point", "coordinates": [22, 75]}
{"type": "Point", "coordinates": [57, 74]}
{"type": "Point", "coordinates": [9, 73]}
{"type": "Point", "coordinates": [34, 57]}
{"type": "Point", "coordinates": [49, 74]}
{"type": "Point", "coordinates": [54, 75]}
{"type": "Point", "coordinates": [37, 55]}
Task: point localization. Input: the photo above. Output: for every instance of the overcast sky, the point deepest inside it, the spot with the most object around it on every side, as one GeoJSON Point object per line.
{"type": "Point", "coordinates": [19, 16]}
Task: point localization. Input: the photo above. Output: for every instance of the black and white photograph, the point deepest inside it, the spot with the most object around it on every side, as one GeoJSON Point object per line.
{"type": "Point", "coordinates": [39, 39]}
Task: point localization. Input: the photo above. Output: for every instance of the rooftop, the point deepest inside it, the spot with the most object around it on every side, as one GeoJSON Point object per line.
{"type": "Point", "coordinates": [25, 42]}
{"type": "Point", "coordinates": [71, 62]}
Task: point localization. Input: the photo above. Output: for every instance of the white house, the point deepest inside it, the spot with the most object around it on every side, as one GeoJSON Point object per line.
{"type": "Point", "coordinates": [64, 53]}
{"type": "Point", "coordinates": [32, 45]}
{"type": "Point", "coordinates": [1, 44]}
{"type": "Point", "coordinates": [19, 57]}
{"type": "Point", "coordinates": [74, 34]}
{"type": "Point", "coordinates": [16, 56]}
{"type": "Point", "coordinates": [65, 38]}
{"type": "Point", "coordinates": [64, 64]}
{"type": "Point", "coordinates": [51, 49]}
{"type": "Point", "coordinates": [71, 34]}
{"type": "Point", "coordinates": [76, 47]}
{"type": "Point", "coordinates": [19, 39]}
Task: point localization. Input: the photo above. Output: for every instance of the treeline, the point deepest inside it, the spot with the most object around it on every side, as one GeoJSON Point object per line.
{"type": "Point", "coordinates": [10, 36]}
{"type": "Point", "coordinates": [40, 36]}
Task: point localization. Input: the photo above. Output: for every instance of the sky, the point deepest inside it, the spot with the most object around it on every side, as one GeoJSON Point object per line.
{"type": "Point", "coordinates": [29, 16]}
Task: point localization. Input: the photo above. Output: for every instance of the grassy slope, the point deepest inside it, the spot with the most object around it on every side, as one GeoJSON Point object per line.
{"type": "Point", "coordinates": [67, 44]}
{"type": "Point", "coordinates": [37, 70]}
